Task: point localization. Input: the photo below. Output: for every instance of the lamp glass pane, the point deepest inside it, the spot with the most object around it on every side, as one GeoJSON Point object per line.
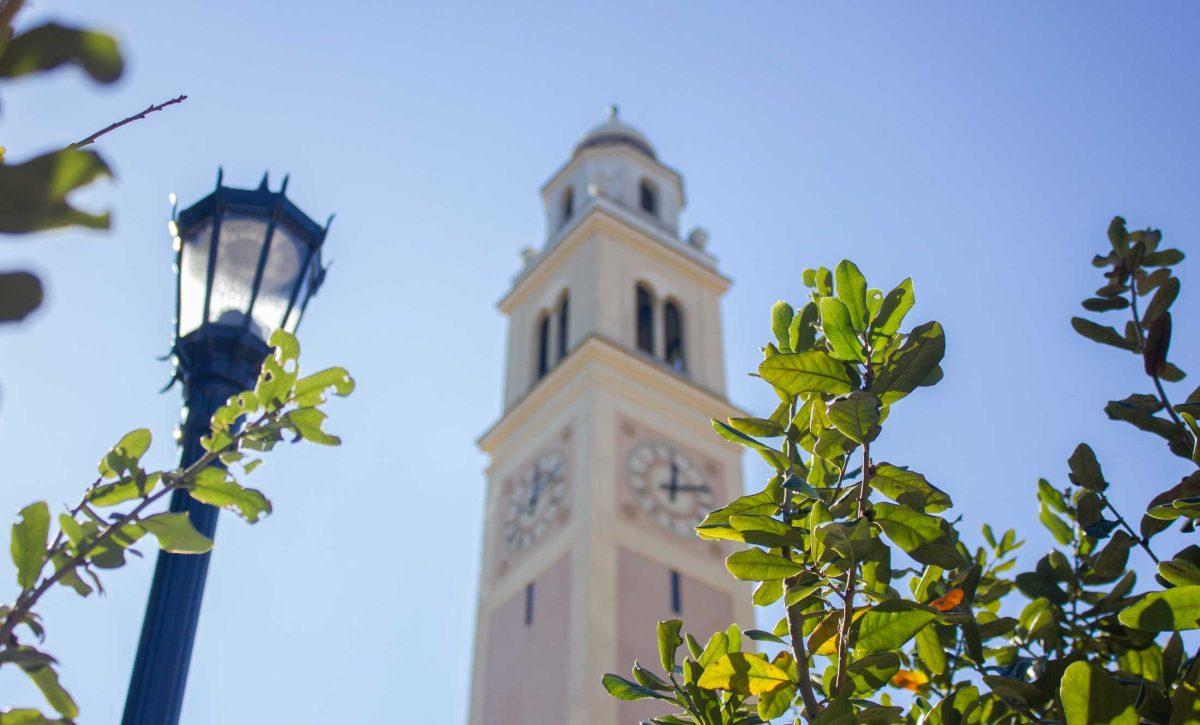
{"type": "Point", "coordinates": [293, 319]}
{"type": "Point", "coordinates": [284, 261]}
{"type": "Point", "coordinates": [193, 275]}
{"type": "Point", "coordinates": [240, 246]}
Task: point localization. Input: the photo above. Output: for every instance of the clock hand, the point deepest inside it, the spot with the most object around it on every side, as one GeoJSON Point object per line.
{"type": "Point", "coordinates": [537, 490]}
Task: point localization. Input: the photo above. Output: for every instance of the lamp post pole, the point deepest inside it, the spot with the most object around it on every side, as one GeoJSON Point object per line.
{"type": "Point", "coordinates": [173, 610]}
{"type": "Point", "coordinates": [247, 262]}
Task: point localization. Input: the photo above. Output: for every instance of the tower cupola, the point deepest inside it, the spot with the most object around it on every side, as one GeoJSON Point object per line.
{"type": "Point", "coordinates": [614, 164]}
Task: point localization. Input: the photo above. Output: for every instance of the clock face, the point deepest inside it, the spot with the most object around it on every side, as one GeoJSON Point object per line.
{"type": "Point", "coordinates": [669, 487]}
{"type": "Point", "coordinates": [535, 501]}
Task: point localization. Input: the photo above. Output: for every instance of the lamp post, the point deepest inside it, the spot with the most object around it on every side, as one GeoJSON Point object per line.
{"type": "Point", "coordinates": [247, 261]}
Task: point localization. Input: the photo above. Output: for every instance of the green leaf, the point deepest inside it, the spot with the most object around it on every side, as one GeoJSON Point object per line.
{"type": "Point", "coordinates": [1162, 300]}
{"type": "Point", "coordinates": [1175, 609]}
{"type": "Point", "coordinates": [781, 323]}
{"type": "Point", "coordinates": [838, 711]}
{"type": "Point", "coordinates": [775, 703]}
{"type": "Point", "coordinates": [646, 678]}
{"type": "Point", "coordinates": [909, 488]}
{"type": "Point", "coordinates": [1165, 258]}
{"type": "Point", "coordinates": [733, 435]}
{"type": "Point", "coordinates": [20, 294]}
{"type": "Point", "coordinates": [310, 391]}
{"type": "Point", "coordinates": [767, 593]}
{"type": "Point", "coordinates": [112, 494]}
{"type": "Point", "coordinates": [744, 673]}
{"type": "Point", "coordinates": [33, 194]}
{"type": "Point", "coordinates": [1101, 334]}
{"type": "Point", "coordinates": [929, 648]}
{"type": "Point", "coordinates": [838, 327]}
{"type": "Point", "coordinates": [214, 487]}
{"type": "Point", "coordinates": [852, 291]}
{"type": "Point", "coordinates": [125, 454]}
{"type": "Point", "coordinates": [1085, 469]}
{"type": "Point", "coordinates": [908, 368]}
{"type": "Point", "coordinates": [58, 698]}
{"type": "Point", "coordinates": [1118, 236]}
{"type": "Point", "coordinates": [802, 333]}
{"type": "Point", "coordinates": [307, 423]}
{"type": "Point", "coordinates": [275, 381]}
{"type": "Point", "coordinates": [1135, 411]}
{"type": "Point", "coordinates": [1112, 560]}
{"type": "Point", "coordinates": [856, 415]}
{"type": "Point", "coordinates": [872, 672]}
{"type": "Point", "coordinates": [891, 624]}
{"type": "Point", "coordinates": [896, 305]}
{"type": "Point", "coordinates": [1105, 304]}
{"type": "Point", "coordinates": [1179, 572]}
{"type": "Point", "coordinates": [1014, 689]}
{"type": "Point", "coordinates": [756, 427]}
{"type": "Point", "coordinates": [717, 647]}
{"type": "Point", "coordinates": [28, 545]}
{"type": "Point", "coordinates": [49, 46]}
{"type": "Point", "coordinates": [758, 565]}
{"type": "Point", "coordinates": [27, 716]}
{"type": "Point", "coordinates": [623, 689]}
{"type": "Point", "coordinates": [925, 538]}
{"type": "Point", "coordinates": [961, 707]}
{"type": "Point", "coordinates": [765, 530]}
{"type": "Point", "coordinates": [669, 640]}
{"type": "Point", "coordinates": [1057, 527]}
{"type": "Point", "coordinates": [1090, 696]}
{"type": "Point", "coordinates": [176, 534]}
{"type": "Point", "coordinates": [815, 371]}
{"type": "Point", "coordinates": [287, 347]}
{"type": "Point", "coordinates": [716, 524]}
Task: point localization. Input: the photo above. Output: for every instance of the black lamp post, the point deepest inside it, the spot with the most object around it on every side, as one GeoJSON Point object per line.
{"type": "Point", "coordinates": [247, 262]}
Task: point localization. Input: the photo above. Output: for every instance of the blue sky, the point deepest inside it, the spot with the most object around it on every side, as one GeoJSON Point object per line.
{"type": "Point", "coordinates": [980, 148]}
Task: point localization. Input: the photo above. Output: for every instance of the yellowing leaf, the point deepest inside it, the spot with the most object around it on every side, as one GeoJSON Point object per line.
{"type": "Point", "coordinates": [914, 680]}
{"type": "Point", "coordinates": [948, 601]}
{"type": "Point", "coordinates": [744, 673]}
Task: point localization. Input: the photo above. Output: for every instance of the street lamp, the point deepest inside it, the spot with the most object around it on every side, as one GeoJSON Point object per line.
{"type": "Point", "coordinates": [247, 261]}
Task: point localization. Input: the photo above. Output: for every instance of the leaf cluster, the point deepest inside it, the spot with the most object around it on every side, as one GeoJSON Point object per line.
{"type": "Point", "coordinates": [34, 192]}
{"type": "Point", "coordinates": [882, 596]}
{"type": "Point", "coordinates": [118, 510]}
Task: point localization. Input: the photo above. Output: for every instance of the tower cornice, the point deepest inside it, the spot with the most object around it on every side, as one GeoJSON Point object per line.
{"type": "Point", "coordinates": [595, 352]}
{"type": "Point", "coordinates": [603, 215]}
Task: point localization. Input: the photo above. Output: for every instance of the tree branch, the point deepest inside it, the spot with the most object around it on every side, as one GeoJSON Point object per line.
{"type": "Point", "coordinates": [135, 117]}
{"type": "Point", "coordinates": [795, 630]}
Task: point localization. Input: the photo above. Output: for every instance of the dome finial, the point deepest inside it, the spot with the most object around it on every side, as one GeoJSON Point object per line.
{"type": "Point", "coordinates": [613, 110]}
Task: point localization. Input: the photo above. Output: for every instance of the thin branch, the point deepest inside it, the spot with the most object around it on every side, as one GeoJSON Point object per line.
{"type": "Point", "coordinates": [1136, 537]}
{"type": "Point", "coordinates": [29, 597]}
{"type": "Point", "coordinates": [795, 630]}
{"type": "Point", "coordinates": [135, 117]}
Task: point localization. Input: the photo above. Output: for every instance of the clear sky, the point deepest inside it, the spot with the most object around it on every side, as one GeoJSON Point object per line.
{"type": "Point", "coordinates": [979, 147]}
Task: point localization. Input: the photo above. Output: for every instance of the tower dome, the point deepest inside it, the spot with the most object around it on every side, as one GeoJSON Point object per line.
{"type": "Point", "coordinates": [615, 132]}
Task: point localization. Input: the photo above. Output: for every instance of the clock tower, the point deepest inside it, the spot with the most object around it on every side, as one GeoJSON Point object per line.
{"type": "Point", "coordinates": [603, 458]}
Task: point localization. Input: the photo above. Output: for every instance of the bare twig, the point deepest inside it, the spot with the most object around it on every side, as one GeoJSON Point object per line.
{"type": "Point", "coordinates": [135, 117]}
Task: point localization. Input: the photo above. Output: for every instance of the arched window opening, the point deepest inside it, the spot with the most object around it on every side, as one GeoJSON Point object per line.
{"type": "Point", "coordinates": [543, 358]}
{"type": "Point", "coordinates": [564, 315]}
{"type": "Point", "coordinates": [645, 320]}
{"type": "Point", "coordinates": [566, 206]}
{"type": "Point", "coordinates": [673, 327]}
{"type": "Point", "coordinates": [648, 197]}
